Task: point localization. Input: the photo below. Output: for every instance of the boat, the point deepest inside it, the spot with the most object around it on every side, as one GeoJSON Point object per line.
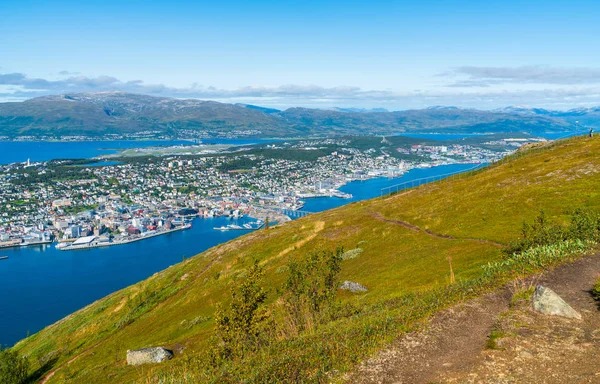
{"type": "Point", "coordinates": [3, 257]}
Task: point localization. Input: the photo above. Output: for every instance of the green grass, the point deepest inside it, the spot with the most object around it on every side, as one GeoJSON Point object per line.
{"type": "Point", "coordinates": [406, 272]}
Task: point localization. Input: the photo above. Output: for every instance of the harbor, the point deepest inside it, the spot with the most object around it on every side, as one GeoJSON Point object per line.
{"type": "Point", "coordinates": [20, 243]}
{"type": "Point", "coordinates": [102, 241]}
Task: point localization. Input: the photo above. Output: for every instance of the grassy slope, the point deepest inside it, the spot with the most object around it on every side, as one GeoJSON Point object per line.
{"type": "Point", "coordinates": [489, 205]}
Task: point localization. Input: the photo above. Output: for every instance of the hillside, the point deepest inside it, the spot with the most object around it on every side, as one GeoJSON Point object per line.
{"type": "Point", "coordinates": [104, 113]}
{"type": "Point", "coordinates": [405, 241]}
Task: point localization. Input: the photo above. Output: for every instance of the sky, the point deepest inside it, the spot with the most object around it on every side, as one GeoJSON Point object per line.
{"type": "Point", "coordinates": [368, 54]}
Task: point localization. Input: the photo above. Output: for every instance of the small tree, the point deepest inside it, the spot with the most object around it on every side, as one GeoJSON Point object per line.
{"type": "Point", "coordinates": [238, 330]}
{"type": "Point", "coordinates": [311, 286]}
{"type": "Point", "coordinates": [585, 225]}
{"type": "Point", "coordinates": [13, 368]}
{"type": "Point", "coordinates": [540, 232]}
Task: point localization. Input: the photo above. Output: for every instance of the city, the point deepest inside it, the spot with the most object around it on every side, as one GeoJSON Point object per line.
{"type": "Point", "coordinates": [84, 205]}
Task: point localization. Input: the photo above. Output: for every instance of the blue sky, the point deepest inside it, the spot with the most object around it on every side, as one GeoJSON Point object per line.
{"type": "Point", "coordinates": [396, 55]}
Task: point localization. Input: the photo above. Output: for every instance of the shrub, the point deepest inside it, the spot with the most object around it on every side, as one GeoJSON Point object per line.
{"type": "Point", "coordinates": [536, 234]}
{"type": "Point", "coordinates": [310, 288]}
{"type": "Point", "coordinates": [238, 330]}
{"type": "Point", "coordinates": [534, 259]}
{"type": "Point", "coordinates": [13, 368]}
{"type": "Point", "coordinates": [584, 226]}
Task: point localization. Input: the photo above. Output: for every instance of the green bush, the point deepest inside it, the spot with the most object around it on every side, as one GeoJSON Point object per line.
{"type": "Point", "coordinates": [584, 226]}
{"type": "Point", "coordinates": [239, 329]}
{"type": "Point", "coordinates": [536, 234]}
{"type": "Point", "coordinates": [310, 288]}
{"type": "Point", "coordinates": [13, 368]}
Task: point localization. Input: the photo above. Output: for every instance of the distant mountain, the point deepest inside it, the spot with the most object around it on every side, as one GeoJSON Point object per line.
{"type": "Point", "coordinates": [262, 109]}
{"type": "Point", "coordinates": [97, 114]}
{"type": "Point", "coordinates": [583, 116]}
{"type": "Point", "coordinates": [361, 110]}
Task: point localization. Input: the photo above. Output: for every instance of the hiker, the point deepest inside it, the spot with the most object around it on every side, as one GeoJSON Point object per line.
{"type": "Point", "coordinates": [591, 132]}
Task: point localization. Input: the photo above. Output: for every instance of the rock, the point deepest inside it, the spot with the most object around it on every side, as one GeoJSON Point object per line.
{"type": "Point", "coordinates": [547, 302]}
{"type": "Point", "coordinates": [148, 355]}
{"type": "Point", "coordinates": [353, 287]}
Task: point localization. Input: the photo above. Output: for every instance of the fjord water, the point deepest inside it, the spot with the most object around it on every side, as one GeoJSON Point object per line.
{"type": "Point", "coordinates": [40, 285]}
{"type": "Point", "coordinates": [20, 151]}
{"type": "Point", "coordinates": [368, 189]}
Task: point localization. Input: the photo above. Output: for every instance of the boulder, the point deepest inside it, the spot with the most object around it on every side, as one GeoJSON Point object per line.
{"type": "Point", "coordinates": [148, 355]}
{"type": "Point", "coordinates": [546, 301]}
{"type": "Point", "coordinates": [353, 287]}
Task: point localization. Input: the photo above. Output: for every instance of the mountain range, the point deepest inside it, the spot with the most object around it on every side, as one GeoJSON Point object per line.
{"type": "Point", "coordinates": [98, 114]}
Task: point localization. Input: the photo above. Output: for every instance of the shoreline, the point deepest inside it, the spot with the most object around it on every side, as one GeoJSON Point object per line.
{"type": "Point", "coordinates": [26, 244]}
{"type": "Point", "coordinates": [113, 243]}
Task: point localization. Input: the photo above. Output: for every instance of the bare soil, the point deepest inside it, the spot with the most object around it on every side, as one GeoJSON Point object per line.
{"type": "Point", "coordinates": [526, 347]}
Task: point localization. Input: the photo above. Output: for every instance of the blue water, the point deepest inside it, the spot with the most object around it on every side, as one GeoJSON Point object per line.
{"type": "Point", "coordinates": [440, 136]}
{"type": "Point", "coordinates": [102, 164]}
{"type": "Point", "coordinates": [368, 189]}
{"type": "Point", "coordinates": [446, 136]}
{"type": "Point", "coordinates": [40, 285]}
{"type": "Point", "coordinates": [20, 151]}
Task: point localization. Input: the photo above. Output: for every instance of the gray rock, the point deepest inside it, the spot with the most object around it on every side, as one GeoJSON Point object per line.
{"type": "Point", "coordinates": [148, 355]}
{"type": "Point", "coordinates": [546, 301]}
{"type": "Point", "coordinates": [353, 287]}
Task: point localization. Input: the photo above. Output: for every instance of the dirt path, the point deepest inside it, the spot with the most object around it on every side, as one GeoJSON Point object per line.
{"type": "Point", "coordinates": [533, 348]}
{"type": "Point", "coordinates": [412, 227]}
{"type": "Point", "coordinates": [453, 338]}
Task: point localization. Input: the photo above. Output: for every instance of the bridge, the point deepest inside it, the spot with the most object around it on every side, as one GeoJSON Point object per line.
{"type": "Point", "coordinates": [291, 213]}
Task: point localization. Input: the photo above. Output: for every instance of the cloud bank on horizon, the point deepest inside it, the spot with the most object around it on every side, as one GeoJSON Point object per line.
{"type": "Point", "coordinates": [466, 86]}
{"type": "Point", "coordinates": [314, 53]}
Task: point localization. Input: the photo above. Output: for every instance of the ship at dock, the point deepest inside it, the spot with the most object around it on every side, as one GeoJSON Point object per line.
{"type": "Point", "coordinates": [258, 224]}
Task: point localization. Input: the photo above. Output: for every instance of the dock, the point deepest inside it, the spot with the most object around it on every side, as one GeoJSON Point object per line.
{"type": "Point", "coordinates": [98, 244]}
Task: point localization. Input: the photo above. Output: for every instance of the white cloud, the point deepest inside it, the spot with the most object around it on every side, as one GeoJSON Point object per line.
{"type": "Point", "coordinates": [476, 91]}
{"type": "Point", "coordinates": [470, 76]}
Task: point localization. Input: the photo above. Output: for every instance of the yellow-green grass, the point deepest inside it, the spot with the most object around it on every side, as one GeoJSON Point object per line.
{"type": "Point", "coordinates": [477, 212]}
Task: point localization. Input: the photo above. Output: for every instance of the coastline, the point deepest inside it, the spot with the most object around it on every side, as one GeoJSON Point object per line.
{"type": "Point", "coordinates": [113, 243]}
{"type": "Point", "coordinates": [26, 244]}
